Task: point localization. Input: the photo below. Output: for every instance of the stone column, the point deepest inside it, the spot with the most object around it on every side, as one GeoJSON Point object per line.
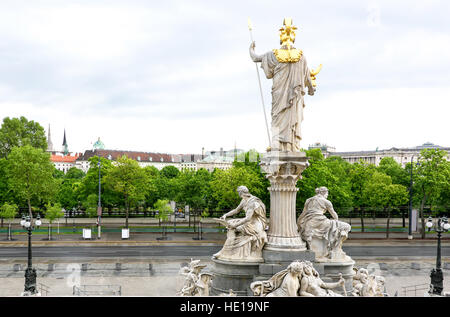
{"type": "Point", "coordinates": [283, 170]}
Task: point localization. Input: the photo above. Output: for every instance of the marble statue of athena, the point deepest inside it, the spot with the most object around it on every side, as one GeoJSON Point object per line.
{"type": "Point", "coordinates": [291, 77]}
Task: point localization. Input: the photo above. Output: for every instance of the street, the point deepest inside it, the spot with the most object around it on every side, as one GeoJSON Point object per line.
{"type": "Point", "coordinates": [199, 250]}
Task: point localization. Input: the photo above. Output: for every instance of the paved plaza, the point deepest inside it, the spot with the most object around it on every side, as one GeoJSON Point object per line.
{"type": "Point", "coordinates": [160, 278]}
{"type": "Point", "coordinates": [158, 275]}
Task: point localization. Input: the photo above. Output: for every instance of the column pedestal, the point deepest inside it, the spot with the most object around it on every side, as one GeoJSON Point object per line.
{"type": "Point", "coordinates": [283, 170]}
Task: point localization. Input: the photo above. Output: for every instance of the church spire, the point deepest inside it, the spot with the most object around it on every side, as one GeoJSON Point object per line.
{"type": "Point", "coordinates": [65, 148]}
{"type": "Point", "coordinates": [49, 141]}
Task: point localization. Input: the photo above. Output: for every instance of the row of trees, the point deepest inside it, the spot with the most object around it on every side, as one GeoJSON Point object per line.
{"type": "Point", "coordinates": [28, 179]}
{"type": "Point", "coordinates": [388, 186]}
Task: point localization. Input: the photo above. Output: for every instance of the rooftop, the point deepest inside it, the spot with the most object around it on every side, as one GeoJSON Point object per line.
{"type": "Point", "coordinates": [64, 158]}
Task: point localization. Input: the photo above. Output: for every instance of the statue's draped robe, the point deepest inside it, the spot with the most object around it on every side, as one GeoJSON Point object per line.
{"type": "Point", "coordinates": [246, 241]}
{"type": "Point", "coordinates": [313, 223]}
{"type": "Point", "coordinates": [288, 89]}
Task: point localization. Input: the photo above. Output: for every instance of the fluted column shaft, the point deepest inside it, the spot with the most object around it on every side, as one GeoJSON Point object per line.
{"type": "Point", "coordinates": [283, 170]}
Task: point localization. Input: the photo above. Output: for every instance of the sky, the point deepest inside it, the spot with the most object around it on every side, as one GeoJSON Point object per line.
{"type": "Point", "coordinates": [176, 76]}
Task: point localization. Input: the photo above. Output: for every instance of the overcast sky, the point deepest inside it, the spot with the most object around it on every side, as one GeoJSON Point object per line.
{"type": "Point", "coordinates": [176, 76]}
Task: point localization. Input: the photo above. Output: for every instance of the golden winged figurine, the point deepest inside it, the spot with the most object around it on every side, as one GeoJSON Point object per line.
{"type": "Point", "coordinates": [313, 74]}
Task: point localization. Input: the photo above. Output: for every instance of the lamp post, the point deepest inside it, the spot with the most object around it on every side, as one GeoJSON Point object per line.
{"type": "Point", "coordinates": [410, 235]}
{"type": "Point", "coordinates": [30, 272]}
{"type": "Point", "coordinates": [99, 208]}
{"type": "Point", "coordinates": [437, 278]}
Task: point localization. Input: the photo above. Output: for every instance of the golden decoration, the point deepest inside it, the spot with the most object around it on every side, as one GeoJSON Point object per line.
{"type": "Point", "coordinates": [287, 33]}
{"type": "Point", "coordinates": [288, 56]}
{"type": "Point", "coordinates": [313, 74]}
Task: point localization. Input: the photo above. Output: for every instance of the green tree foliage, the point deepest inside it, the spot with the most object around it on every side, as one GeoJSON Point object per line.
{"type": "Point", "coordinates": [314, 155]}
{"type": "Point", "coordinates": [359, 174]}
{"type": "Point", "coordinates": [442, 202]}
{"type": "Point", "coordinates": [169, 172]}
{"type": "Point", "coordinates": [380, 192]}
{"type": "Point", "coordinates": [57, 173]}
{"type": "Point", "coordinates": [390, 167]}
{"type": "Point", "coordinates": [163, 208]}
{"type": "Point", "coordinates": [67, 193]}
{"type": "Point", "coordinates": [225, 182]}
{"type": "Point", "coordinates": [74, 173]}
{"type": "Point", "coordinates": [8, 212]}
{"type": "Point", "coordinates": [29, 173]}
{"type": "Point", "coordinates": [163, 184]}
{"type": "Point", "coordinates": [166, 187]}
{"type": "Point", "coordinates": [69, 188]}
{"type": "Point", "coordinates": [331, 173]}
{"type": "Point", "coordinates": [151, 191]}
{"type": "Point", "coordinates": [151, 171]}
{"type": "Point", "coordinates": [17, 132]}
{"type": "Point", "coordinates": [52, 212]}
{"type": "Point", "coordinates": [5, 193]}
{"type": "Point", "coordinates": [129, 181]}
{"type": "Point", "coordinates": [430, 179]}
{"type": "Point", "coordinates": [90, 205]}
{"type": "Point", "coordinates": [89, 183]}
{"type": "Point", "coordinates": [193, 188]}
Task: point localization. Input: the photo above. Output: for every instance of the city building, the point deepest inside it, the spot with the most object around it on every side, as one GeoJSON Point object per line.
{"type": "Point", "coordinates": [219, 159]}
{"type": "Point", "coordinates": [98, 145]}
{"type": "Point", "coordinates": [65, 147]}
{"type": "Point", "coordinates": [400, 155]}
{"type": "Point", "coordinates": [49, 141]}
{"type": "Point", "coordinates": [63, 160]}
{"type": "Point", "coordinates": [144, 159]}
{"type": "Point", "coordinates": [326, 149]}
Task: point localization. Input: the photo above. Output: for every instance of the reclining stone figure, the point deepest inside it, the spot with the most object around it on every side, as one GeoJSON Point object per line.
{"type": "Point", "coordinates": [298, 279]}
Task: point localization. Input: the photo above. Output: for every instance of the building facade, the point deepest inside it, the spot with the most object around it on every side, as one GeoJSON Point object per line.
{"type": "Point", "coordinates": [64, 162]}
{"type": "Point", "coordinates": [144, 159]}
{"type": "Point", "coordinates": [400, 155]}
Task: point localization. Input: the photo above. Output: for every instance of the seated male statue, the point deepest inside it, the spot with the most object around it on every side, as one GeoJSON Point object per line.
{"type": "Point", "coordinates": [246, 236]}
{"type": "Point", "coordinates": [322, 235]}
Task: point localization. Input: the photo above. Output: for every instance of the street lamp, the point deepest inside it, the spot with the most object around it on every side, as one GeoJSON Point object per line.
{"type": "Point", "coordinates": [99, 208]}
{"type": "Point", "coordinates": [30, 272]}
{"type": "Point", "coordinates": [410, 235]}
{"type": "Point", "coordinates": [437, 278]}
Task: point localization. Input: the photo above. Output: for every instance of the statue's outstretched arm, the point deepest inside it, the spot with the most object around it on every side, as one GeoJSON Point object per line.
{"type": "Point", "coordinates": [248, 217]}
{"type": "Point", "coordinates": [234, 211]}
{"type": "Point", "coordinates": [256, 58]}
{"type": "Point", "coordinates": [332, 285]}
